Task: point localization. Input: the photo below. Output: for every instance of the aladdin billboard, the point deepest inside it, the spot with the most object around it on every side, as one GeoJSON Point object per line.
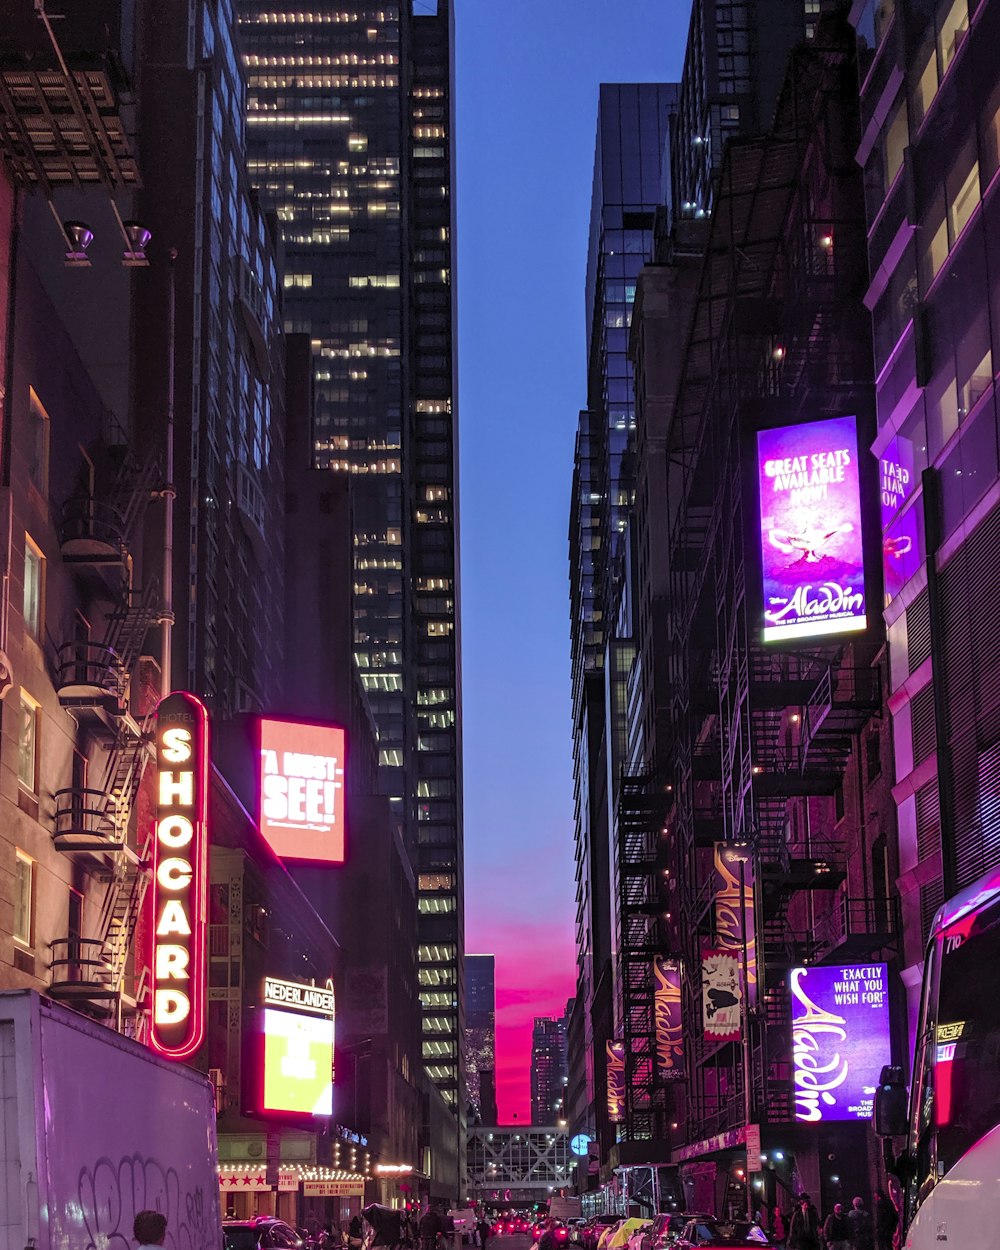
{"type": "Point", "coordinates": [615, 1051]}
{"type": "Point", "coordinates": [302, 808]}
{"type": "Point", "coordinates": [669, 1020]}
{"type": "Point", "coordinates": [297, 1022]}
{"type": "Point", "coordinates": [840, 1040]}
{"type": "Point", "coordinates": [812, 552]}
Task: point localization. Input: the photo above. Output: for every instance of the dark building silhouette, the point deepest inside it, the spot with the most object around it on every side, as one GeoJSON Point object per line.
{"type": "Point", "coordinates": [228, 382]}
{"type": "Point", "coordinates": [768, 755]}
{"type": "Point", "coordinates": [480, 1037]}
{"type": "Point", "coordinates": [632, 128]}
{"type": "Point", "coordinates": [548, 1069]}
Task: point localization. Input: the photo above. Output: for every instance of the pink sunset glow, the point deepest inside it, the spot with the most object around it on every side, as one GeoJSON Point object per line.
{"type": "Point", "coordinates": [534, 977]}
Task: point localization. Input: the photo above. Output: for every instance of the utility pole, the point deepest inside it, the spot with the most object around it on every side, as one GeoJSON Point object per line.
{"type": "Point", "coordinates": [169, 492]}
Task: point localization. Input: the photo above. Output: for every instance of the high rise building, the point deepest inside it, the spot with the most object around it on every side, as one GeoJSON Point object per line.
{"type": "Point", "coordinates": [734, 65]}
{"type": "Point", "coordinates": [632, 128]}
{"type": "Point", "coordinates": [548, 1069]}
{"type": "Point", "coordinates": [480, 1037]}
{"type": "Point", "coordinates": [349, 117]}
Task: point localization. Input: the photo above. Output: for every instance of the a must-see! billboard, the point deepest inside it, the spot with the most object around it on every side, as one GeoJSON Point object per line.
{"type": "Point", "coordinates": [840, 1039]}
{"type": "Point", "coordinates": [302, 807]}
{"type": "Point", "coordinates": [812, 553]}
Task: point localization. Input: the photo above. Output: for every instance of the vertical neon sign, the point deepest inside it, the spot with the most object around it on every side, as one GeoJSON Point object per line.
{"type": "Point", "coordinates": [180, 876]}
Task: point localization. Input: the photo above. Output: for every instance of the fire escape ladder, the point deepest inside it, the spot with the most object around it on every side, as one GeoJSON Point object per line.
{"type": "Point", "coordinates": [843, 700]}
{"type": "Point", "coordinates": [641, 810]}
{"type": "Point", "coordinates": [128, 626]}
{"type": "Point", "coordinates": [122, 908]}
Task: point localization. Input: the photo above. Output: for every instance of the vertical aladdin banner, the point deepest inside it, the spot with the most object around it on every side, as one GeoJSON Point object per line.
{"type": "Point", "coordinates": [616, 1081]}
{"type": "Point", "coordinates": [734, 914]}
{"type": "Point", "coordinates": [812, 553]}
{"type": "Point", "coordinates": [669, 1036]}
{"type": "Point", "coordinates": [720, 994]}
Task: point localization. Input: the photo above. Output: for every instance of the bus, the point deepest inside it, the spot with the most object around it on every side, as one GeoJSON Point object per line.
{"type": "Point", "coordinates": [949, 1168]}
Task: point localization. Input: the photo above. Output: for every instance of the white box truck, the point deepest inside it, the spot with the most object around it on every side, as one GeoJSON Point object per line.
{"type": "Point", "coordinates": [95, 1127]}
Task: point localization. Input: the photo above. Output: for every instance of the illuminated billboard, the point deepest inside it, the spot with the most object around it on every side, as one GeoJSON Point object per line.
{"type": "Point", "coordinates": [302, 808]}
{"type": "Point", "coordinates": [669, 1018]}
{"type": "Point", "coordinates": [812, 553]}
{"type": "Point", "coordinates": [180, 877]}
{"type": "Point", "coordinates": [840, 1040]}
{"type": "Point", "coordinates": [615, 1053]}
{"type": "Point", "coordinates": [901, 545]}
{"type": "Point", "coordinates": [298, 1025]}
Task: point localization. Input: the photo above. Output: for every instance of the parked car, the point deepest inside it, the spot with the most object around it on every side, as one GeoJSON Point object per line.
{"type": "Point", "coordinates": [619, 1238]}
{"type": "Point", "coordinates": [606, 1232]}
{"type": "Point", "coordinates": [264, 1232]}
{"type": "Point", "coordinates": [666, 1229]}
{"type": "Point", "coordinates": [594, 1228]}
{"type": "Point", "coordinates": [711, 1234]}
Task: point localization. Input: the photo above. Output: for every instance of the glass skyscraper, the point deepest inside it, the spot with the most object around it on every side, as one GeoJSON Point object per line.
{"type": "Point", "coordinates": [349, 117]}
{"type": "Point", "coordinates": [632, 136]}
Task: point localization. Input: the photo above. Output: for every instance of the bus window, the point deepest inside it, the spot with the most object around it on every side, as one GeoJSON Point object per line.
{"type": "Point", "coordinates": [966, 1041]}
{"type": "Point", "coordinates": [922, 1102]}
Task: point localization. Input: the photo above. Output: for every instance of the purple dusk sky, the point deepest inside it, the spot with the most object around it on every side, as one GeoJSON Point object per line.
{"type": "Point", "coordinates": [527, 81]}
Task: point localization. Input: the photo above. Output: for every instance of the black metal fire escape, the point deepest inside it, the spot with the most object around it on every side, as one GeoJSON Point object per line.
{"type": "Point", "coordinates": [639, 821]}
{"type": "Point", "coordinates": [97, 683]}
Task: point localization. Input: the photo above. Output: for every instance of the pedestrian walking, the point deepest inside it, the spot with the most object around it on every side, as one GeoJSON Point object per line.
{"type": "Point", "coordinates": [355, 1233]}
{"type": "Point", "coordinates": [149, 1228]}
{"type": "Point", "coordinates": [886, 1220]}
{"type": "Point", "coordinates": [803, 1229]}
{"type": "Point", "coordinates": [484, 1230]}
{"type": "Point", "coordinates": [430, 1228]}
{"type": "Point", "coordinates": [779, 1230]}
{"type": "Point", "coordinates": [862, 1227]}
{"type": "Point", "coordinates": [837, 1229]}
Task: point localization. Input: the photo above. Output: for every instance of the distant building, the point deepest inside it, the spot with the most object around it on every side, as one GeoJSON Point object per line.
{"type": "Point", "coordinates": [548, 1069]}
{"type": "Point", "coordinates": [480, 1038]}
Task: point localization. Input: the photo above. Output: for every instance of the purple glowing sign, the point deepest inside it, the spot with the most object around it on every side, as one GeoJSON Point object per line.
{"type": "Point", "coordinates": [840, 1040]}
{"type": "Point", "coordinates": [895, 472]}
{"type": "Point", "coordinates": [900, 530]}
{"type": "Point", "coordinates": [810, 529]}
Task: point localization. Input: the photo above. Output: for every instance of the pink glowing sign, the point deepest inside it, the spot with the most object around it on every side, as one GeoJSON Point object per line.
{"type": "Point", "coordinates": [810, 530]}
{"type": "Point", "coordinates": [302, 810]}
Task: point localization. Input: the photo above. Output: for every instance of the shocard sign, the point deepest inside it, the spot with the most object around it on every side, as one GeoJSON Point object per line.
{"type": "Point", "coordinates": [302, 808]}
{"type": "Point", "coordinates": [180, 876]}
{"type": "Point", "coordinates": [840, 1039]}
{"type": "Point", "coordinates": [812, 553]}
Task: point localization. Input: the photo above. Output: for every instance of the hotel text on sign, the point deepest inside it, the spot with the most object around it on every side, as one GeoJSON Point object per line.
{"type": "Point", "coordinates": [302, 808]}
{"type": "Point", "coordinates": [180, 876]}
